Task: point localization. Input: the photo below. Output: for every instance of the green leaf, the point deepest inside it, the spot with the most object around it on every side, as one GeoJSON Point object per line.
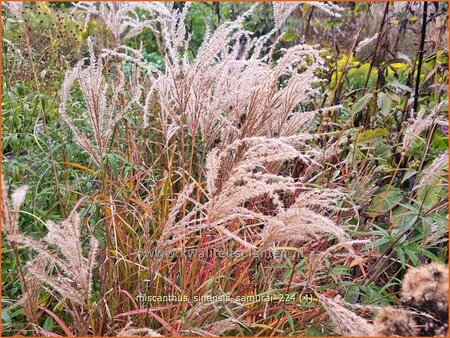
{"type": "Point", "coordinates": [412, 256]}
{"type": "Point", "coordinates": [361, 103]}
{"type": "Point", "coordinates": [49, 324]}
{"type": "Point", "coordinates": [19, 87]}
{"type": "Point", "coordinates": [398, 85]}
{"type": "Point", "coordinates": [429, 255]}
{"type": "Point", "coordinates": [16, 313]}
{"type": "Point", "coordinates": [370, 135]}
{"type": "Point", "coordinates": [384, 201]}
{"type": "Point", "coordinates": [394, 97]}
{"type": "Point", "coordinates": [331, 24]}
{"type": "Point", "coordinates": [291, 322]}
{"type": "Point", "coordinates": [289, 37]}
{"type": "Point", "coordinates": [409, 173]}
{"type": "Point", "coordinates": [112, 160]}
{"type": "Point", "coordinates": [429, 195]}
{"type": "Point", "coordinates": [384, 103]}
{"type": "Point", "coordinates": [5, 317]}
{"type": "Point", "coordinates": [401, 256]}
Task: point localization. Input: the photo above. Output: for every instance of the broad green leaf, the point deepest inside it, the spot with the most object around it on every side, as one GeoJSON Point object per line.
{"type": "Point", "coordinates": [384, 201]}
{"type": "Point", "coordinates": [429, 195]}
{"type": "Point", "coordinates": [361, 103]}
{"type": "Point", "coordinates": [398, 85]}
{"type": "Point", "coordinates": [409, 173]}
{"type": "Point", "coordinates": [112, 160]}
{"type": "Point", "coordinates": [384, 103]}
{"type": "Point", "coordinates": [5, 317]}
{"type": "Point", "coordinates": [49, 324]}
{"type": "Point", "coordinates": [289, 37]}
{"type": "Point", "coordinates": [370, 135]}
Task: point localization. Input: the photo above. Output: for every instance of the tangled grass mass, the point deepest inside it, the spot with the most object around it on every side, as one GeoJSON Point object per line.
{"type": "Point", "coordinates": [224, 169]}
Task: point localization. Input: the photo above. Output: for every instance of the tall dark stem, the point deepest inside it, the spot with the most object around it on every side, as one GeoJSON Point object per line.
{"type": "Point", "coordinates": [374, 54]}
{"type": "Point", "coordinates": [420, 58]}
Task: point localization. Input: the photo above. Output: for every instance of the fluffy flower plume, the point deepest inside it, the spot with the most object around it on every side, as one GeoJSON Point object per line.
{"type": "Point", "coordinates": [436, 169]}
{"type": "Point", "coordinates": [72, 277]}
{"type": "Point", "coordinates": [104, 106]}
{"type": "Point", "coordinates": [366, 42]}
{"type": "Point", "coordinates": [130, 331]}
{"type": "Point", "coordinates": [15, 7]}
{"type": "Point", "coordinates": [282, 9]}
{"type": "Point", "coordinates": [421, 123]}
{"type": "Point", "coordinates": [32, 287]}
{"type": "Point", "coordinates": [252, 175]}
{"type": "Point", "coordinates": [10, 212]}
{"type": "Point", "coordinates": [345, 321]}
{"type": "Point", "coordinates": [217, 93]}
{"type": "Point", "coordinates": [395, 322]}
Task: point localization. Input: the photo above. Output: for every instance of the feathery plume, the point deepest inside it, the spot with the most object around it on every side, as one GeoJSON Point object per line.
{"type": "Point", "coordinates": [103, 110]}
{"type": "Point", "coordinates": [241, 173]}
{"type": "Point", "coordinates": [365, 42]}
{"type": "Point", "coordinates": [218, 93]}
{"type": "Point", "coordinates": [31, 288]}
{"type": "Point", "coordinates": [345, 321]}
{"type": "Point", "coordinates": [10, 215]}
{"type": "Point", "coordinates": [421, 123]}
{"type": "Point", "coordinates": [15, 7]}
{"type": "Point", "coordinates": [130, 331]}
{"type": "Point", "coordinates": [73, 278]}
{"type": "Point", "coordinates": [436, 169]}
{"type": "Point", "coordinates": [283, 9]}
